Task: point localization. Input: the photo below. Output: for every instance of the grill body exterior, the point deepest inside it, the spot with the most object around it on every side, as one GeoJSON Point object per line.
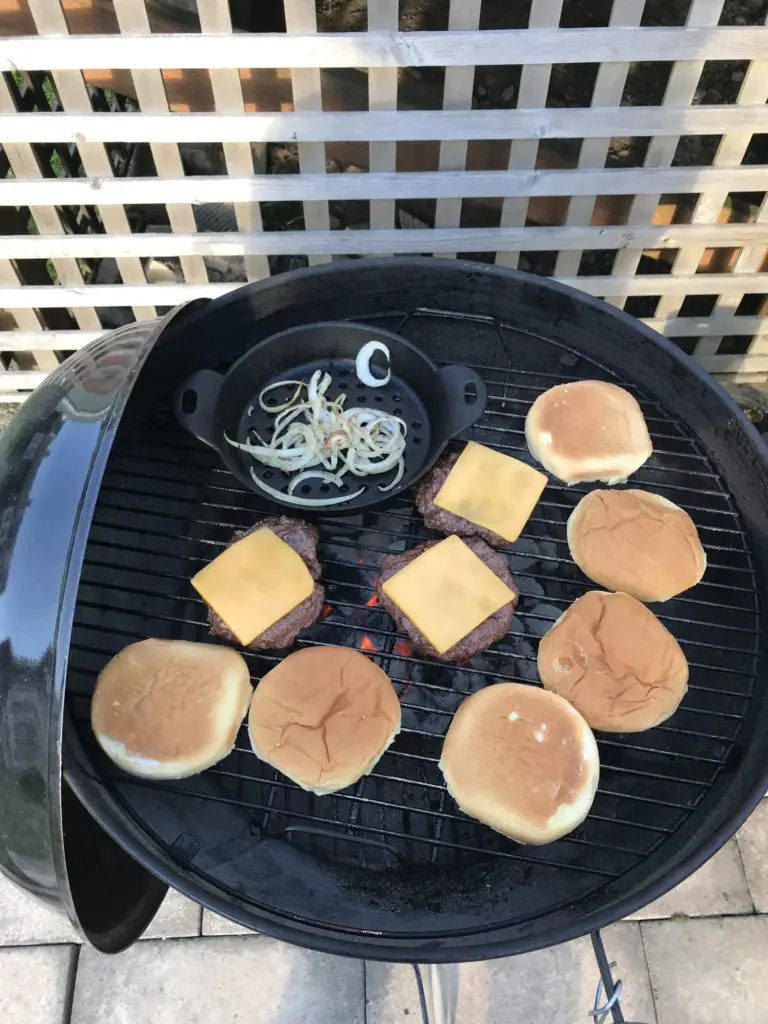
{"type": "Point", "coordinates": [390, 869]}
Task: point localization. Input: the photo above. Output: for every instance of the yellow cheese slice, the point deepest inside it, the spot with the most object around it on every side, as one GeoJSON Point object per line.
{"type": "Point", "coordinates": [492, 490]}
{"type": "Point", "coordinates": [254, 583]}
{"type": "Point", "coordinates": [446, 592]}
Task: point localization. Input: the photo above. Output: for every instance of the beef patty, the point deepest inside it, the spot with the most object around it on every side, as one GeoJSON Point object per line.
{"type": "Point", "coordinates": [447, 522]}
{"type": "Point", "coordinates": [303, 538]}
{"type": "Point", "coordinates": [480, 639]}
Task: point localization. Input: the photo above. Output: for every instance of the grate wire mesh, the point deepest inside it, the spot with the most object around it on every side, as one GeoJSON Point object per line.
{"type": "Point", "coordinates": [167, 506]}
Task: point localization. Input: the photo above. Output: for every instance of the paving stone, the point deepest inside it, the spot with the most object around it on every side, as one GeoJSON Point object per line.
{"type": "Point", "coordinates": [35, 984]}
{"type": "Point", "coordinates": [753, 843]}
{"type": "Point", "coordinates": [718, 887]}
{"type": "Point", "coordinates": [215, 924]}
{"type": "Point", "coordinates": [177, 918]}
{"type": "Point", "coordinates": [550, 986]}
{"type": "Point", "coordinates": [708, 971]}
{"type": "Point", "coordinates": [199, 981]}
{"type": "Point", "coordinates": [24, 920]}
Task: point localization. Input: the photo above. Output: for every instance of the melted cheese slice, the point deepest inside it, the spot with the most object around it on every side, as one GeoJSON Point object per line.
{"type": "Point", "coordinates": [254, 583]}
{"type": "Point", "coordinates": [492, 490]}
{"type": "Point", "coordinates": [446, 592]}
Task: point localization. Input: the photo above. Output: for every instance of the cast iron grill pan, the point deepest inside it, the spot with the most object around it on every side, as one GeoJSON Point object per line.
{"type": "Point", "coordinates": [391, 868]}
{"type": "Point", "coordinates": [435, 404]}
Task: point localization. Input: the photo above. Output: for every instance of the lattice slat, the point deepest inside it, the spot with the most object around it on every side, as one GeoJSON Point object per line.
{"type": "Point", "coordinates": [300, 16]}
{"type": "Point", "coordinates": [457, 95]}
{"type": "Point", "coordinates": [303, 49]}
{"type": "Point", "coordinates": [405, 125]}
{"type": "Point", "coordinates": [228, 98]}
{"type": "Point", "coordinates": [534, 85]}
{"type": "Point", "coordinates": [382, 96]}
{"type": "Point", "coordinates": [609, 88]}
{"type": "Point", "coordinates": [380, 242]}
{"type": "Point", "coordinates": [384, 185]}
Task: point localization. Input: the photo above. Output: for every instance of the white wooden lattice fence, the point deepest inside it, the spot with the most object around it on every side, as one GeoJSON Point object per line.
{"type": "Point", "coordinates": [709, 238]}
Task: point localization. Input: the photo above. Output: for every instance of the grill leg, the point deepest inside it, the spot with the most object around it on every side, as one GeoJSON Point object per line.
{"type": "Point", "coordinates": [441, 985]}
{"type": "Point", "coordinates": [610, 1004]}
{"type": "Point", "coordinates": [608, 991]}
{"type": "Point", "coordinates": [441, 990]}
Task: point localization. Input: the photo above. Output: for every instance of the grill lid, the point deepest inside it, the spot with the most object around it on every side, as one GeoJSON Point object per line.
{"type": "Point", "coordinates": [52, 457]}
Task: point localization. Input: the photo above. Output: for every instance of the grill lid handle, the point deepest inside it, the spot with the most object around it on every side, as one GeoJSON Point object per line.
{"type": "Point", "coordinates": [466, 394]}
{"type": "Point", "coordinates": [195, 405]}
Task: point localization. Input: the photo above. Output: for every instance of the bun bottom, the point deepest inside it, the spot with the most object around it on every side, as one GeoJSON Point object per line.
{"type": "Point", "coordinates": [522, 761]}
{"type": "Point", "coordinates": [334, 785]}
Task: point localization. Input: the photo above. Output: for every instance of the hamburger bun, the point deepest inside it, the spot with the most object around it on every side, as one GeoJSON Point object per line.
{"type": "Point", "coordinates": [614, 661]}
{"type": "Point", "coordinates": [522, 761]}
{"type": "Point", "coordinates": [636, 542]}
{"type": "Point", "coordinates": [166, 709]}
{"type": "Point", "coordinates": [588, 430]}
{"type": "Point", "coordinates": [324, 716]}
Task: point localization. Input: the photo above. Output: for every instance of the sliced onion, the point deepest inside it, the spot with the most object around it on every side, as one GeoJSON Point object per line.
{"type": "Point", "coordinates": [280, 384]}
{"type": "Point", "coordinates": [363, 365]}
{"type": "Point", "coordinates": [398, 477]}
{"type": "Point", "coordinates": [290, 499]}
{"type": "Point", "coordinates": [318, 385]}
{"type": "Point", "coordinates": [314, 474]}
{"type": "Point", "coordinates": [317, 438]}
{"type": "Point", "coordinates": [277, 453]}
{"type": "Point", "coordinates": [367, 467]}
{"type": "Point", "coordinates": [288, 416]}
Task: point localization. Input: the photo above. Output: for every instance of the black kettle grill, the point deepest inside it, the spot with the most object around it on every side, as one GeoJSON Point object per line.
{"type": "Point", "coordinates": [107, 507]}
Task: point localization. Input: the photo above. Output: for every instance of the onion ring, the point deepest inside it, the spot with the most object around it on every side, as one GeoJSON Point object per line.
{"type": "Point", "coordinates": [289, 499]}
{"type": "Point", "coordinates": [280, 384]}
{"type": "Point", "coordinates": [363, 365]}
{"type": "Point", "coordinates": [328, 478]}
{"type": "Point", "coordinates": [398, 477]}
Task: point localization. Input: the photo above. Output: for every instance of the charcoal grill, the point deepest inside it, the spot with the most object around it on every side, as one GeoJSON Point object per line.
{"type": "Point", "coordinates": [390, 868]}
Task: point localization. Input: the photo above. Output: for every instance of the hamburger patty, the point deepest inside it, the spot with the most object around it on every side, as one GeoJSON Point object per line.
{"type": "Point", "coordinates": [303, 538]}
{"type": "Point", "coordinates": [480, 639]}
{"type": "Point", "coordinates": [446, 522]}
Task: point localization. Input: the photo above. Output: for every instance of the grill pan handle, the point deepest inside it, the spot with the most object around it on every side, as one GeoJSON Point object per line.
{"type": "Point", "coordinates": [466, 395]}
{"type": "Point", "coordinates": [195, 405]}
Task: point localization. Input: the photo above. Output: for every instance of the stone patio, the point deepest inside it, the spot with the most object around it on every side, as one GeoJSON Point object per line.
{"type": "Point", "coordinates": [696, 956]}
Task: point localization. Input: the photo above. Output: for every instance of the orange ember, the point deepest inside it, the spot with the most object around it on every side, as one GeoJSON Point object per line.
{"type": "Point", "coordinates": [404, 648]}
{"type": "Point", "coordinates": [366, 644]}
{"type": "Point", "coordinates": [373, 601]}
{"type": "Point", "coordinates": [327, 609]}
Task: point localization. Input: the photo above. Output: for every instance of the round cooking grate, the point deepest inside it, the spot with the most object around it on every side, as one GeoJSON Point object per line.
{"type": "Point", "coordinates": [391, 867]}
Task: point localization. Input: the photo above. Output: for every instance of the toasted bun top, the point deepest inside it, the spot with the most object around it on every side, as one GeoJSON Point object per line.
{"type": "Point", "coordinates": [167, 700]}
{"type": "Point", "coordinates": [323, 716]}
{"type": "Point", "coordinates": [588, 430]}
{"type": "Point", "coordinates": [615, 662]}
{"type": "Point", "coordinates": [521, 760]}
{"type": "Point", "coordinates": [636, 542]}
